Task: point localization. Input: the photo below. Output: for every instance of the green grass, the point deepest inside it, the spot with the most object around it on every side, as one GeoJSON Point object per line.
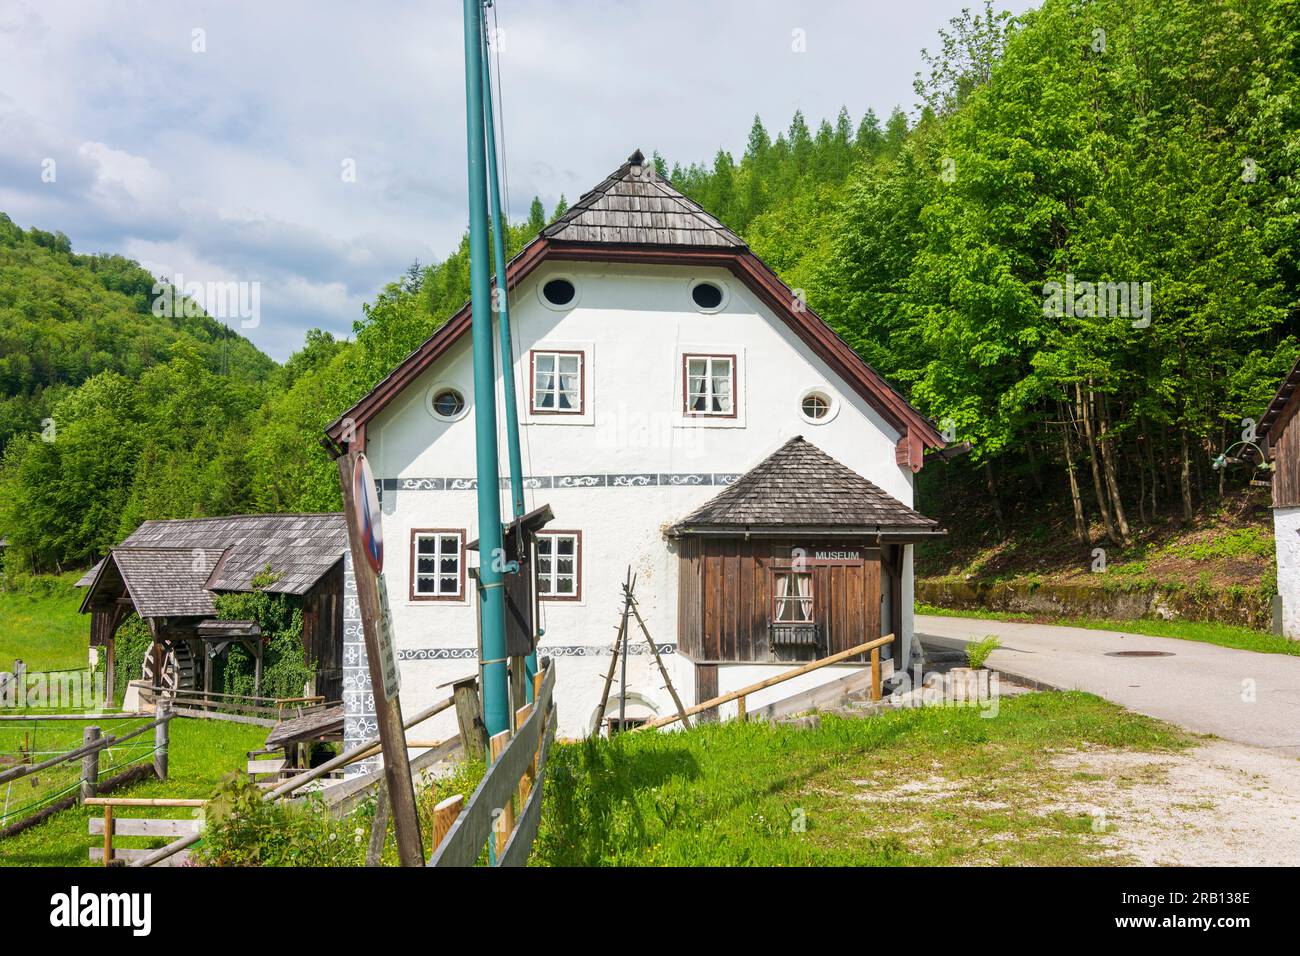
{"type": "Point", "coordinates": [40, 626]}
{"type": "Point", "coordinates": [932, 786]}
{"type": "Point", "coordinates": [199, 754]}
{"type": "Point", "coordinates": [1207, 632]}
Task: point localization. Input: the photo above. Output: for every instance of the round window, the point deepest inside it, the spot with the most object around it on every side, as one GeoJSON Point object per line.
{"type": "Point", "coordinates": [707, 295]}
{"type": "Point", "coordinates": [448, 403]}
{"type": "Point", "coordinates": [559, 292]}
{"type": "Point", "coordinates": [816, 407]}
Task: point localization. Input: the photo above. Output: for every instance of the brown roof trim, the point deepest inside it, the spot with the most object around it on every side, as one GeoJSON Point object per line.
{"type": "Point", "coordinates": [742, 263]}
{"type": "Point", "coordinates": [1278, 411]}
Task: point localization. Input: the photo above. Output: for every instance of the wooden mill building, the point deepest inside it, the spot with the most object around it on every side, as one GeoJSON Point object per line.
{"type": "Point", "coordinates": [170, 572]}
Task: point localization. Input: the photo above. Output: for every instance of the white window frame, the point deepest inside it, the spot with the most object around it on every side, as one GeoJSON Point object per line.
{"type": "Point", "coordinates": [553, 575]}
{"type": "Point", "coordinates": [710, 377]}
{"type": "Point", "coordinates": [438, 555]}
{"type": "Point", "coordinates": [556, 354]}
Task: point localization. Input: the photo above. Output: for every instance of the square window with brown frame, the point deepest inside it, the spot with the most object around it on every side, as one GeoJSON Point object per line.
{"type": "Point", "coordinates": [709, 386]}
{"type": "Point", "coordinates": [558, 383]}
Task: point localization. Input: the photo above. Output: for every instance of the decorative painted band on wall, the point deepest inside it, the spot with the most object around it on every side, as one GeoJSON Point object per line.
{"type": "Point", "coordinates": [627, 480]}
{"type": "Point", "coordinates": [544, 650]}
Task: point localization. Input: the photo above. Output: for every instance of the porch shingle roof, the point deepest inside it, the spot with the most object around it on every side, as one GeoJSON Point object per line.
{"type": "Point", "coordinates": [799, 488]}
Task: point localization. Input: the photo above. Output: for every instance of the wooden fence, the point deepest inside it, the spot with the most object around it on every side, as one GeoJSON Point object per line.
{"type": "Point", "coordinates": [507, 803]}
{"type": "Point", "coordinates": [239, 708]}
{"type": "Point", "coordinates": [355, 793]}
{"type": "Point", "coordinates": [740, 695]}
{"type": "Point", "coordinates": [110, 826]}
{"type": "Point", "coordinates": [88, 783]}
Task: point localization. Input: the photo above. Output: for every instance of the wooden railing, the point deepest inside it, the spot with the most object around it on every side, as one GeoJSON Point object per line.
{"type": "Point", "coordinates": [507, 804]}
{"type": "Point", "coordinates": [110, 826]}
{"type": "Point", "coordinates": [240, 708]}
{"type": "Point", "coordinates": [740, 695]}
{"type": "Point", "coordinates": [360, 752]}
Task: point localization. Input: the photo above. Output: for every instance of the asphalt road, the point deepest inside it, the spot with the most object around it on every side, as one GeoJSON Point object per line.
{"type": "Point", "coordinates": [1242, 696]}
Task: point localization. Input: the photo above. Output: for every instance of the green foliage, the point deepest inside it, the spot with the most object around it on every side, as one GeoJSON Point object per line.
{"type": "Point", "coordinates": [285, 667]}
{"type": "Point", "coordinates": [978, 652]}
{"type": "Point", "coordinates": [243, 829]}
{"type": "Point", "coordinates": [131, 644]}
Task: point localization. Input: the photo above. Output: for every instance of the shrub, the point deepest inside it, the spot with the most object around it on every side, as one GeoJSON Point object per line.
{"type": "Point", "coordinates": [978, 653]}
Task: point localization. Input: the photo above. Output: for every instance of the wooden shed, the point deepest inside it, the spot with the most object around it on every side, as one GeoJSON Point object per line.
{"type": "Point", "coordinates": [800, 558]}
{"type": "Point", "coordinates": [169, 572]}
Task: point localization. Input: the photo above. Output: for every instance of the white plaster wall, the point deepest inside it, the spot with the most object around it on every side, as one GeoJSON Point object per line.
{"type": "Point", "coordinates": [635, 321]}
{"type": "Point", "coordinates": [1286, 533]}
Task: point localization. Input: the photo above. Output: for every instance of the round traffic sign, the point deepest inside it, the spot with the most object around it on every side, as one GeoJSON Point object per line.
{"type": "Point", "coordinates": [365, 499]}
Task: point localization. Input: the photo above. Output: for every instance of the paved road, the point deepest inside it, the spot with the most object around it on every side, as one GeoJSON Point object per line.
{"type": "Point", "coordinates": [1202, 687]}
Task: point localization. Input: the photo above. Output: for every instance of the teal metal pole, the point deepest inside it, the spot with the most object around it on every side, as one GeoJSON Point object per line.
{"type": "Point", "coordinates": [502, 305]}
{"type": "Point", "coordinates": [496, 699]}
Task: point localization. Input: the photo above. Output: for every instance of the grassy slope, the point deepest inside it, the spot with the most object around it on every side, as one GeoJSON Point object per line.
{"type": "Point", "coordinates": [200, 752]}
{"type": "Point", "coordinates": [1224, 635]}
{"type": "Point", "coordinates": [1229, 546]}
{"type": "Point", "coordinates": [932, 786]}
{"type": "Point", "coordinates": [40, 625]}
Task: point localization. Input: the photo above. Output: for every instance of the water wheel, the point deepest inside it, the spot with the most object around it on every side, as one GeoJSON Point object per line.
{"type": "Point", "coordinates": [178, 670]}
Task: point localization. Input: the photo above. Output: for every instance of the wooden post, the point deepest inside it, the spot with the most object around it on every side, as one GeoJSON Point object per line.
{"type": "Point", "coordinates": [207, 675]}
{"type": "Point", "coordinates": [875, 673]}
{"type": "Point", "coordinates": [740, 709]}
{"type": "Point", "coordinates": [469, 718]}
{"type": "Point", "coordinates": [161, 738]}
{"type": "Point", "coordinates": [108, 834]}
{"type": "Point", "coordinates": [620, 646]}
{"type": "Point", "coordinates": [663, 671]}
{"type": "Point", "coordinates": [379, 827]}
{"type": "Point", "coordinates": [505, 823]}
{"type": "Point", "coordinates": [444, 815]}
{"type": "Point", "coordinates": [530, 774]}
{"type": "Point", "coordinates": [388, 713]}
{"type": "Point", "coordinates": [259, 648]}
{"type": "Point", "coordinates": [518, 681]}
{"type": "Point", "coordinates": [90, 764]}
{"type": "Point", "coordinates": [110, 671]}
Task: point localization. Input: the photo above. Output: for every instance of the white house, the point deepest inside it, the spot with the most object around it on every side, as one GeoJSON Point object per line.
{"type": "Point", "coordinates": [657, 362]}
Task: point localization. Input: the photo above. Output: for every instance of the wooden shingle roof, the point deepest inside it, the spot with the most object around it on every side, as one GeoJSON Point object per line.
{"type": "Point", "coordinates": [175, 568]}
{"type": "Point", "coordinates": [800, 488]}
{"type": "Point", "coordinates": [300, 548]}
{"type": "Point", "coordinates": [635, 206]}
{"type": "Point", "coordinates": [167, 582]}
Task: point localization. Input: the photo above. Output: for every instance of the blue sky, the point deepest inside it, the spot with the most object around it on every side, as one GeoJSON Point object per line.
{"type": "Point", "coordinates": [226, 163]}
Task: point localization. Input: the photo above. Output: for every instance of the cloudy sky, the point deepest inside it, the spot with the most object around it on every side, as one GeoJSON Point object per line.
{"type": "Point", "coordinates": [211, 139]}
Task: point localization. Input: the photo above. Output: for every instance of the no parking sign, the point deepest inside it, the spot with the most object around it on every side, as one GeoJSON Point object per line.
{"type": "Point", "coordinates": [366, 502]}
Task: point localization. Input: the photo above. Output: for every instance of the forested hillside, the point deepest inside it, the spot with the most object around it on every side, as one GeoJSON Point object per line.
{"type": "Point", "coordinates": [65, 318]}
{"type": "Point", "coordinates": [1148, 143]}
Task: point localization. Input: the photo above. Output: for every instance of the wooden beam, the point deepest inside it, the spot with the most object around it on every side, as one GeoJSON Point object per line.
{"type": "Point", "coordinates": [771, 681]}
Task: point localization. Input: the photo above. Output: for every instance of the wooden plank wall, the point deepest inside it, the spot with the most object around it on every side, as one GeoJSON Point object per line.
{"type": "Point", "coordinates": [725, 598]}
{"type": "Point", "coordinates": [1285, 441]}
{"type": "Point", "coordinates": [322, 632]}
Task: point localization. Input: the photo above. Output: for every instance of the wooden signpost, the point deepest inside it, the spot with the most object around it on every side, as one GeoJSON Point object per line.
{"type": "Point", "coordinates": [365, 538]}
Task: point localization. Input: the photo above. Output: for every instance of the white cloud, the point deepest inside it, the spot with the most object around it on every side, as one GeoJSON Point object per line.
{"type": "Point", "coordinates": [226, 163]}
